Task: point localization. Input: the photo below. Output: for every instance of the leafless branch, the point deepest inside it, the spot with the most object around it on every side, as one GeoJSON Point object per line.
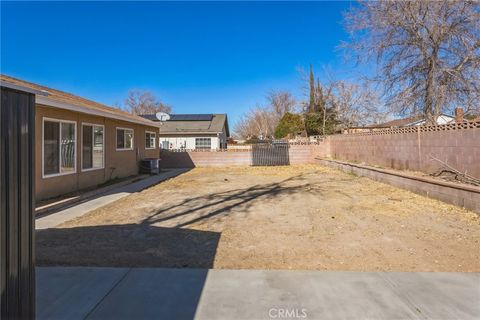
{"type": "Point", "coordinates": [144, 102]}
{"type": "Point", "coordinates": [460, 176]}
{"type": "Point", "coordinates": [427, 52]}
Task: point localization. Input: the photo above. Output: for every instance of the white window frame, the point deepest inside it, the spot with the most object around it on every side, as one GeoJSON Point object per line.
{"type": "Point", "coordinates": [81, 145]}
{"type": "Point", "coordinates": [154, 140]}
{"type": "Point", "coordinates": [203, 138]}
{"type": "Point", "coordinates": [116, 139]}
{"type": "Point", "coordinates": [52, 175]}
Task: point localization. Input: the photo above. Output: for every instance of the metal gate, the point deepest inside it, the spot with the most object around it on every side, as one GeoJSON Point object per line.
{"type": "Point", "coordinates": [270, 154]}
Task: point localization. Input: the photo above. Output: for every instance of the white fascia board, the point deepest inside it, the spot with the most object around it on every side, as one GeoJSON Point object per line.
{"type": "Point", "coordinates": [68, 106]}
{"type": "Point", "coordinates": [22, 88]}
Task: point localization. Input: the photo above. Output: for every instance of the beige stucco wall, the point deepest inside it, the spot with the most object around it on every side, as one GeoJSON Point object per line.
{"type": "Point", "coordinates": [117, 163]}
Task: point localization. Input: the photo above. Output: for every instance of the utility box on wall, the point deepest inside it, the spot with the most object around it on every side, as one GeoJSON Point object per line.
{"type": "Point", "coordinates": [17, 203]}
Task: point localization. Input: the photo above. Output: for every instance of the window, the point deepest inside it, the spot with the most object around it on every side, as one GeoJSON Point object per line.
{"type": "Point", "coordinates": [203, 143]}
{"type": "Point", "coordinates": [124, 139]}
{"type": "Point", "coordinates": [59, 144]}
{"type": "Point", "coordinates": [165, 144]}
{"type": "Point", "coordinates": [92, 146]}
{"type": "Point", "coordinates": [150, 138]}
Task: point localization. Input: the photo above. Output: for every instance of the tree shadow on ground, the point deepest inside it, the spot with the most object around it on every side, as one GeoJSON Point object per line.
{"type": "Point", "coordinates": [222, 204]}
{"type": "Point", "coordinates": [130, 245]}
{"type": "Point", "coordinates": [170, 245]}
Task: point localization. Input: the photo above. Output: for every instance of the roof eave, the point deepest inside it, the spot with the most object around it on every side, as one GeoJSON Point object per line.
{"type": "Point", "coordinates": [17, 87]}
{"type": "Point", "coordinates": [76, 108]}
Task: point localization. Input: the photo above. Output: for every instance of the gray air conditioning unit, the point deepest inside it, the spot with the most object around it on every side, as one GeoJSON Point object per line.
{"type": "Point", "coordinates": [150, 166]}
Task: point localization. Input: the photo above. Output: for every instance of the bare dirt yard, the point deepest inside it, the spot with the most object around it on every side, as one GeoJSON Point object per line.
{"type": "Point", "coordinates": [296, 217]}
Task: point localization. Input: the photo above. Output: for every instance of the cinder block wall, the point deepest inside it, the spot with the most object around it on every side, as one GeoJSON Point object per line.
{"type": "Point", "coordinates": [403, 149]}
{"type": "Point", "coordinates": [191, 159]}
{"type": "Point", "coordinates": [298, 154]}
{"type": "Point", "coordinates": [305, 154]}
{"type": "Point", "coordinates": [459, 147]}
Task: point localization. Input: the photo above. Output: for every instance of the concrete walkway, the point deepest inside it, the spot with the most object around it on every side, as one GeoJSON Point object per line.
{"type": "Point", "coordinates": [123, 293]}
{"type": "Point", "coordinates": [80, 209]}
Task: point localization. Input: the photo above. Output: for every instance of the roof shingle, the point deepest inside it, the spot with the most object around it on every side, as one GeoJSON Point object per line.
{"type": "Point", "coordinates": [87, 105]}
{"type": "Point", "coordinates": [193, 123]}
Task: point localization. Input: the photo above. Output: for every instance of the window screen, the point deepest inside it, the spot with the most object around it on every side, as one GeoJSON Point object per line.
{"type": "Point", "coordinates": [92, 147]}
{"type": "Point", "coordinates": [203, 143]}
{"type": "Point", "coordinates": [87, 147]}
{"type": "Point", "coordinates": [150, 140]}
{"type": "Point", "coordinates": [98, 142]}
{"type": "Point", "coordinates": [120, 139]}
{"type": "Point", "coordinates": [59, 143]}
{"type": "Point", "coordinates": [51, 147]}
{"type": "Point", "coordinates": [124, 139]}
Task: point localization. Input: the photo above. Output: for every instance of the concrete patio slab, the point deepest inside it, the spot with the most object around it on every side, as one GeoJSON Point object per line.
{"type": "Point", "coordinates": [439, 294]}
{"type": "Point", "coordinates": [80, 209]}
{"type": "Point", "coordinates": [72, 293]}
{"type": "Point", "coordinates": [163, 293]}
{"type": "Point", "coordinates": [156, 293]}
{"type": "Point", "coordinates": [321, 295]}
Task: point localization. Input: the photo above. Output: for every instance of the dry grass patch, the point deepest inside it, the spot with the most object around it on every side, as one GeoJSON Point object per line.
{"type": "Point", "coordinates": [295, 217]}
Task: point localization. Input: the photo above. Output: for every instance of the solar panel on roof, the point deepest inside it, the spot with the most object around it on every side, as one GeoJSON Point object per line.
{"type": "Point", "coordinates": [191, 117]}
{"type": "Point", "coordinates": [149, 117]}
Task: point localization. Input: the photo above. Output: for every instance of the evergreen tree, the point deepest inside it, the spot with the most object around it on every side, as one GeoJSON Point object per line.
{"type": "Point", "coordinates": [311, 106]}
{"type": "Point", "coordinates": [319, 98]}
{"type": "Point", "coordinates": [319, 119]}
{"type": "Point", "coordinates": [290, 123]}
{"type": "Point", "coordinates": [313, 122]}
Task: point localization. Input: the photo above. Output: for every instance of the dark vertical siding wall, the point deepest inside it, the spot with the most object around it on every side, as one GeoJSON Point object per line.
{"type": "Point", "coordinates": [17, 225]}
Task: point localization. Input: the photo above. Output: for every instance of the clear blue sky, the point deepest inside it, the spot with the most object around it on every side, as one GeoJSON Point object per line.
{"type": "Point", "coordinates": [198, 57]}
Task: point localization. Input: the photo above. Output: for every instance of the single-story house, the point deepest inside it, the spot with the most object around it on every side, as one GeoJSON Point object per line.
{"type": "Point", "coordinates": [193, 131]}
{"type": "Point", "coordinates": [418, 120]}
{"type": "Point", "coordinates": [81, 143]}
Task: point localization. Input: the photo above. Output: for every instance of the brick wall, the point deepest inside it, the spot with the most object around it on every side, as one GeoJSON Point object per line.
{"type": "Point", "coordinates": [298, 154]}
{"type": "Point", "coordinates": [412, 148]}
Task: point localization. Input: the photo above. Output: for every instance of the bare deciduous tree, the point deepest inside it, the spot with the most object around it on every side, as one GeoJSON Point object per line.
{"type": "Point", "coordinates": [281, 102]}
{"type": "Point", "coordinates": [355, 104]}
{"type": "Point", "coordinates": [261, 121]}
{"type": "Point", "coordinates": [427, 52]}
{"type": "Point", "coordinates": [144, 102]}
{"type": "Point", "coordinates": [258, 122]}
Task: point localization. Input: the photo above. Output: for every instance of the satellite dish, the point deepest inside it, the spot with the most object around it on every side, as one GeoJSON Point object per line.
{"type": "Point", "coordinates": [162, 116]}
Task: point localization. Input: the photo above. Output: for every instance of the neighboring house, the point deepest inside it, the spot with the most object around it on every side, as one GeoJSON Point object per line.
{"type": "Point", "coordinates": [81, 143]}
{"type": "Point", "coordinates": [193, 131]}
{"type": "Point", "coordinates": [417, 121]}
{"type": "Point", "coordinates": [405, 122]}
